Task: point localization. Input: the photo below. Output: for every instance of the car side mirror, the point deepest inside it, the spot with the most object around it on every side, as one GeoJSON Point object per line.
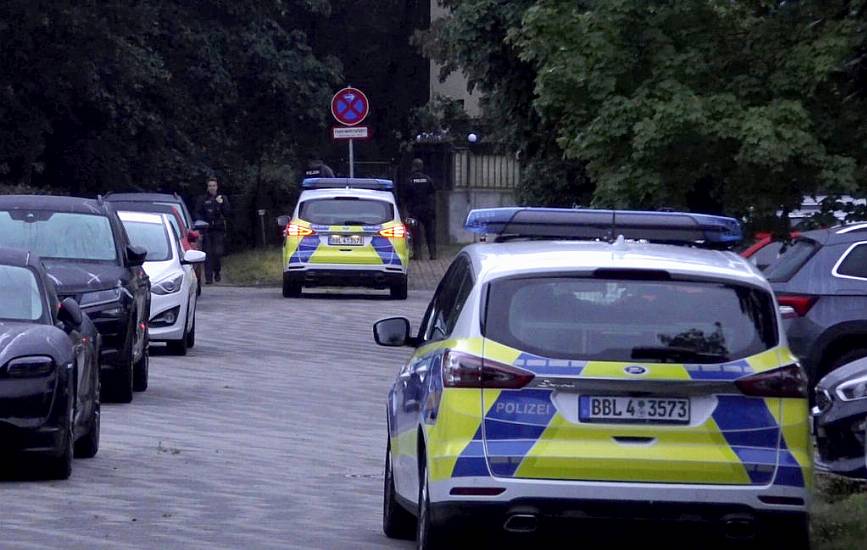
{"type": "Point", "coordinates": [283, 221]}
{"type": "Point", "coordinates": [70, 313]}
{"type": "Point", "coordinates": [194, 257]}
{"type": "Point", "coordinates": [393, 332]}
{"type": "Point", "coordinates": [192, 236]}
{"type": "Point", "coordinates": [136, 255]}
{"type": "Point", "coordinates": [200, 225]}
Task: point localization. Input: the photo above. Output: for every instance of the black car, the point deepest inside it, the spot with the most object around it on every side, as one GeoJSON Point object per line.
{"type": "Point", "coordinates": [840, 420]}
{"type": "Point", "coordinates": [89, 257]}
{"type": "Point", "coordinates": [49, 368]}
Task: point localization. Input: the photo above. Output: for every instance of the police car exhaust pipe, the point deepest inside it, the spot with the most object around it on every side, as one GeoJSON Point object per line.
{"type": "Point", "coordinates": [739, 527]}
{"type": "Point", "coordinates": [521, 523]}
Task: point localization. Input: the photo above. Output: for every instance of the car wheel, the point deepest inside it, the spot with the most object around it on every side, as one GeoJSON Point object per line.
{"type": "Point", "coordinates": [397, 522]}
{"type": "Point", "coordinates": [140, 370]}
{"type": "Point", "coordinates": [88, 446]}
{"type": "Point", "coordinates": [191, 336]}
{"type": "Point", "coordinates": [428, 536]}
{"type": "Point", "coordinates": [60, 467]}
{"type": "Point", "coordinates": [290, 289]}
{"type": "Point", "coordinates": [399, 289]}
{"type": "Point", "coordinates": [120, 383]}
{"type": "Point", "coordinates": [199, 287]}
{"type": "Point", "coordinates": [177, 347]}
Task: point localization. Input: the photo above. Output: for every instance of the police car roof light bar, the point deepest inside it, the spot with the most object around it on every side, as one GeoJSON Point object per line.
{"type": "Point", "coordinates": [589, 224]}
{"type": "Point", "coordinates": [348, 183]}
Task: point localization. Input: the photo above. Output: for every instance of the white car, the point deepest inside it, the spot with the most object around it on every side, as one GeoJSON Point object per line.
{"type": "Point", "coordinates": [173, 279]}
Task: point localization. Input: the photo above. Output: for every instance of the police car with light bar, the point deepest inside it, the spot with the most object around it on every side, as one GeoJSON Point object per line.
{"type": "Point", "coordinates": [346, 232]}
{"type": "Point", "coordinates": [598, 364]}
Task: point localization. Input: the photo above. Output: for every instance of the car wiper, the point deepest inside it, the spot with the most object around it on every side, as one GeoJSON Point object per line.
{"type": "Point", "coordinates": [676, 354]}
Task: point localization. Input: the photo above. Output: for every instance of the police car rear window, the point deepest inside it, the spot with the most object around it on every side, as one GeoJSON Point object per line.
{"type": "Point", "coordinates": [346, 211]}
{"type": "Point", "coordinates": [630, 320]}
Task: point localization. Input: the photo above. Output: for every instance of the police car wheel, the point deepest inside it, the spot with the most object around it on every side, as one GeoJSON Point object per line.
{"type": "Point", "coordinates": [428, 535]}
{"type": "Point", "coordinates": [290, 289]}
{"type": "Point", "coordinates": [397, 522]}
{"type": "Point", "coordinates": [399, 290]}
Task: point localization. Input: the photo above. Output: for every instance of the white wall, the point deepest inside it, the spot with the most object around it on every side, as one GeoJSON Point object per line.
{"type": "Point", "coordinates": [455, 86]}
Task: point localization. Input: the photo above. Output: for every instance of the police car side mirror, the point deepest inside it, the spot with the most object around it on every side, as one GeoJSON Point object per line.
{"type": "Point", "coordinates": [393, 332]}
{"type": "Point", "coordinates": [283, 221]}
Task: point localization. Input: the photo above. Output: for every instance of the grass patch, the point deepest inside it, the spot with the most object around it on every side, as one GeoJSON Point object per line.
{"type": "Point", "coordinates": [259, 266]}
{"type": "Point", "coordinates": [839, 514]}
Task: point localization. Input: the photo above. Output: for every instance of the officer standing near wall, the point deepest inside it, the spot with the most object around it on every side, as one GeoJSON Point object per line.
{"type": "Point", "coordinates": [421, 203]}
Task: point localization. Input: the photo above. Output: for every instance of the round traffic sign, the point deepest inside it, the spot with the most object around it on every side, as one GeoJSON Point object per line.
{"type": "Point", "coordinates": [349, 106]}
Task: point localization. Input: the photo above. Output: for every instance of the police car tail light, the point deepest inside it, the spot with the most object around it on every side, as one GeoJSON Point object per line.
{"type": "Point", "coordinates": [462, 370]}
{"type": "Point", "coordinates": [396, 232]}
{"type": "Point", "coordinates": [295, 230]}
{"type": "Point", "coordinates": [788, 381]}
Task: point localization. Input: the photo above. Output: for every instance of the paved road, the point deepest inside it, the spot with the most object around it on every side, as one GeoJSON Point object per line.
{"type": "Point", "coordinates": [269, 434]}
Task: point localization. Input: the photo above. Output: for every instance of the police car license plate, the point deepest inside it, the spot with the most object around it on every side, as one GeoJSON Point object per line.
{"type": "Point", "coordinates": [633, 410]}
{"type": "Point", "coordinates": [345, 240]}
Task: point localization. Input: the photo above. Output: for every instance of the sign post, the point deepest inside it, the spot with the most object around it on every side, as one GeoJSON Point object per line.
{"type": "Point", "coordinates": [350, 107]}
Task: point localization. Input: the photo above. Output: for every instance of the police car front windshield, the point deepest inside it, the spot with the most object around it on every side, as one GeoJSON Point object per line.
{"type": "Point", "coordinates": [631, 320]}
{"type": "Point", "coordinates": [346, 211]}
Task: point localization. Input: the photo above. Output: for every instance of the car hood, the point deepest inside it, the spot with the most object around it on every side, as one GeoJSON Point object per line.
{"type": "Point", "coordinates": [75, 278]}
{"type": "Point", "coordinates": [841, 374]}
{"type": "Point", "coordinates": [20, 339]}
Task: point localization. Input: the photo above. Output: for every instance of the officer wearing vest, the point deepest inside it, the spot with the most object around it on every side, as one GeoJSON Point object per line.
{"type": "Point", "coordinates": [421, 202]}
{"type": "Point", "coordinates": [213, 208]}
{"type": "Point", "coordinates": [318, 169]}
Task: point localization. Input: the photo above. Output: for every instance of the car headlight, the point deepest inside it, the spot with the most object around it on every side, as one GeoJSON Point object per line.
{"type": "Point", "coordinates": [31, 366]}
{"type": "Point", "coordinates": [853, 389]}
{"type": "Point", "coordinates": [100, 297]}
{"type": "Point", "coordinates": [169, 285]}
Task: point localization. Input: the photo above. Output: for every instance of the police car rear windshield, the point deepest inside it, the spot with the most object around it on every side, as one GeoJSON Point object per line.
{"type": "Point", "coordinates": [346, 211]}
{"type": "Point", "coordinates": [630, 320]}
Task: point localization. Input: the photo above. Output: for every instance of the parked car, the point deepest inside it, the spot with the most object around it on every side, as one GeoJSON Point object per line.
{"type": "Point", "coordinates": [194, 229]}
{"type": "Point", "coordinates": [766, 249]}
{"type": "Point", "coordinates": [49, 368]}
{"type": "Point", "coordinates": [173, 280]}
{"type": "Point", "coordinates": [89, 257]}
{"type": "Point", "coordinates": [566, 372]}
{"type": "Point", "coordinates": [840, 420]}
{"type": "Point", "coordinates": [821, 281]}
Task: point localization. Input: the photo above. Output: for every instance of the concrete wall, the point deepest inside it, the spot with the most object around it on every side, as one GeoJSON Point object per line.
{"type": "Point", "coordinates": [455, 86]}
{"type": "Point", "coordinates": [459, 203]}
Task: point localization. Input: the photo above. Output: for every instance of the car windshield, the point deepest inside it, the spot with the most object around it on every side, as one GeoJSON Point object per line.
{"type": "Point", "coordinates": [59, 235]}
{"type": "Point", "coordinates": [20, 298]}
{"type": "Point", "coordinates": [346, 211]}
{"type": "Point", "coordinates": [790, 260]}
{"type": "Point", "coordinates": [630, 320]}
{"type": "Point", "coordinates": [150, 236]}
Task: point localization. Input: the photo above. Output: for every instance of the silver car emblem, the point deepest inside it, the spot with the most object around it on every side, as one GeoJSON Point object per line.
{"type": "Point", "coordinates": [635, 369]}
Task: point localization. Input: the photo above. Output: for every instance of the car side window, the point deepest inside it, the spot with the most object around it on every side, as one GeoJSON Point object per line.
{"type": "Point", "coordinates": [463, 292]}
{"type": "Point", "coordinates": [436, 323]}
{"type": "Point", "coordinates": [854, 263]}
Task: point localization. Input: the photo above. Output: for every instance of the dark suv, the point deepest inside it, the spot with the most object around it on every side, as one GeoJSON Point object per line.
{"type": "Point", "coordinates": [89, 257]}
{"type": "Point", "coordinates": [821, 284]}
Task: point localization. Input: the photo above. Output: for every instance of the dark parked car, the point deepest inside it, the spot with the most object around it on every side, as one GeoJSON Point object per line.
{"type": "Point", "coordinates": [840, 419]}
{"type": "Point", "coordinates": [89, 257]}
{"type": "Point", "coordinates": [49, 368]}
{"type": "Point", "coordinates": [821, 283]}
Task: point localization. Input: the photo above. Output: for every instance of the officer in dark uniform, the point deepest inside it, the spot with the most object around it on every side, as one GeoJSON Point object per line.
{"type": "Point", "coordinates": [213, 208]}
{"type": "Point", "coordinates": [318, 169]}
{"type": "Point", "coordinates": [421, 203]}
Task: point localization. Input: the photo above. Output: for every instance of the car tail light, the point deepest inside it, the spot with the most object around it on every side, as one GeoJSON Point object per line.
{"type": "Point", "coordinates": [461, 370]}
{"type": "Point", "coordinates": [801, 304]}
{"type": "Point", "coordinates": [396, 232]}
{"type": "Point", "coordinates": [788, 381]}
{"type": "Point", "coordinates": [295, 230]}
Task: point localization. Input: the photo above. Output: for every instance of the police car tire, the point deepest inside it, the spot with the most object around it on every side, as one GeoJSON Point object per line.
{"type": "Point", "coordinates": [428, 536]}
{"type": "Point", "coordinates": [399, 290]}
{"type": "Point", "coordinates": [397, 522]}
{"type": "Point", "coordinates": [290, 289]}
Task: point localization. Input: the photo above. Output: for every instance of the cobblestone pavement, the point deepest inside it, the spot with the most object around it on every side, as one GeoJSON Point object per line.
{"type": "Point", "coordinates": [269, 434]}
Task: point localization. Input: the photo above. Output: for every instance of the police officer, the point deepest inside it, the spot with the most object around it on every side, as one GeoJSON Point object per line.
{"type": "Point", "coordinates": [318, 169]}
{"type": "Point", "coordinates": [421, 203]}
{"type": "Point", "coordinates": [213, 208]}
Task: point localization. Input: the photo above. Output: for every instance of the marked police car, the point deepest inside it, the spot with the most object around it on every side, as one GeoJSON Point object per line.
{"type": "Point", "coordinates": [602, 373]}
{"type": "Point", "coordinates": [346, 232]}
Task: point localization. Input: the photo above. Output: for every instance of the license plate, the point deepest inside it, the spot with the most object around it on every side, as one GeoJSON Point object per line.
{"type": "Point", "coordinates": [633, 410]}
{"type": "Point", "coordinates": [345, 240]}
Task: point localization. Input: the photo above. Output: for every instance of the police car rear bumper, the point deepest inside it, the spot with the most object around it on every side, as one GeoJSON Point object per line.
{"type": "Point", "coordinates": [371, 276]}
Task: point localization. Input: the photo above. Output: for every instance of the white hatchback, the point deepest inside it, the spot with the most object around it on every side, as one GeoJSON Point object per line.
{"type": "Point", "coordinates": [173, 279]}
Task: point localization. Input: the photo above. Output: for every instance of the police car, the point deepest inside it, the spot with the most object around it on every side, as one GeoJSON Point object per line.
{"type": "Point", "coordinates": [346, 232]}
{"type": "Point", "coordinates": [600, 365]}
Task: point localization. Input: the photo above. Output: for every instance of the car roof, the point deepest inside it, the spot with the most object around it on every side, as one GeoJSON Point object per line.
{"type": "Point", "coordinates": [53, 203]}
{"type": "Point", "coordinates": [141, 217]}
{"type": "Point", "coordinates": [497, 260]}
{"type": "Point", "coordinates": [344, 192]}
{"type": "Point", "coordinates": [142, 197]}
{"type": "Point", "coordinates": [840, 234]}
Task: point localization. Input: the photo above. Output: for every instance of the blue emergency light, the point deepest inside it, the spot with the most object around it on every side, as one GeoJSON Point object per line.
{"type": "Point", "coordinates": [607, 225]}
{"type": "Point", "coordinates": [348, 183]}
